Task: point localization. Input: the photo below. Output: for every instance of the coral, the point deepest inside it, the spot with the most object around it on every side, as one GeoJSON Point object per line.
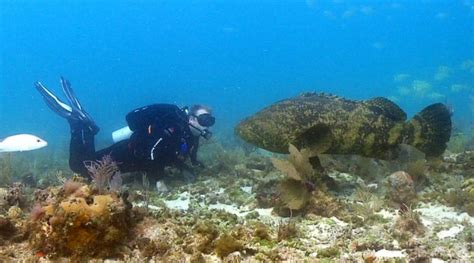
{"type": "Point", "coordinates": [293, 194]}
{"type": "Point", "coordinates": [364, 208]}
{"type": "Point", "coordinates": [150, 248]}
{"type": "Point", "coordinates": [287, 230]}
{"type": "Point", "coordinates": [261, 231]}
{"type": "Point", "coordinates": [15, 213]}
{"type": "Point", "coordinates": [227, 244]}
{"type": "Point", "coordinates": [407, 225]}
{"type": "Point", "coordinates": [104, 173]}
{"type": "Point", "coordinates": [86, 226]}
{"type": "Point", "coordinates": [15, 196]}
{"type": "Point", "coordinates": [37, 212]}
{"type": "Point", "coordinates": [324, 204]}
{"type": "Point", "coordinates": [419, 254]}
{"type": "Point", "coordinates": [7, 228]}
{"type": "Point", "coordinates": [71, 186]}
{"type": "Point", "coordinates": [197, 257]}
{"type": "Point", "coordinates": [297, 167]}
{"type": "Point", "coordinates": [295, 190]}
{"type": "Point", "coordinates": [207, 233]}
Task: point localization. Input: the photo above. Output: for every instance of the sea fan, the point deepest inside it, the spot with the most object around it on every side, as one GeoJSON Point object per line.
{"type": "Point", "coordinates": [102, 172]}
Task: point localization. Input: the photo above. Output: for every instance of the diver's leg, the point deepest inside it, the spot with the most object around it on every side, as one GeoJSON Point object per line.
{"type": "Point", "coordinates": [122, 155]}
{"type": "Point", "coordinates": [81, 148]}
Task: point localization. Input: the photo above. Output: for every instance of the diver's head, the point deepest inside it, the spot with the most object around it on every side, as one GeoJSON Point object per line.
{"type": "Point", "coordinates": [200, 119]}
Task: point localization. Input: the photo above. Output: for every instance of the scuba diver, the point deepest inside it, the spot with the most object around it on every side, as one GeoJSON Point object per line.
{"type": "Point", "coordinates": [162, 135]}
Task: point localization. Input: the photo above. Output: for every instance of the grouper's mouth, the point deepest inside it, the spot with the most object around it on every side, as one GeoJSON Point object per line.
{"type": "Point", "coordinates": [247, 133]}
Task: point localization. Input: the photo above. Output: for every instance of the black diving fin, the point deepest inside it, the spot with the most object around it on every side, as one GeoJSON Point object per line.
{"type": "Point", "coordinates": [73, 111]}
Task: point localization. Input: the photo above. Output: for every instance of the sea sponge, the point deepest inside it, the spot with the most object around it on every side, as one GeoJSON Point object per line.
{"type": "Point", "coordinates": [82, 226]}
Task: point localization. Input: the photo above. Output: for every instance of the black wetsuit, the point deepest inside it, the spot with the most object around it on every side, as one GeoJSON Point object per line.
{"type": "Point", "coordinates": [161, 137]}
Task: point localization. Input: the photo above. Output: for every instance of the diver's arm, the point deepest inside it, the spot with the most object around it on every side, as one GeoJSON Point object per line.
{"type": "Point", "coordinates": [193, 153]}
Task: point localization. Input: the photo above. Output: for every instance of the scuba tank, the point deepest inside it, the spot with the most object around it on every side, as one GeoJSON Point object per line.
{"type": "Point", "coordinates": [121, 134]}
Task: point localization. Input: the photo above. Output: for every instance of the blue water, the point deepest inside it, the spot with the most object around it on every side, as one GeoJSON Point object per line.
{"type": "Point", "coordinates": [236, 56]}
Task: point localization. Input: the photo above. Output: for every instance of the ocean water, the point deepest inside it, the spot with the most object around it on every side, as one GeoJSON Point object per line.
{"type": "Point", "coordinates": [235, 56]}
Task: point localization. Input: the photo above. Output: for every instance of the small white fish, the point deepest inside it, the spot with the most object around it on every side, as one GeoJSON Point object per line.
{"type": "Point", "coordinates": [21, 142]}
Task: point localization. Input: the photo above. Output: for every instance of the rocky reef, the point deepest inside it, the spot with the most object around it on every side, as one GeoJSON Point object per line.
{"type": "Point", "coordinates": [247, 205]}
{"type": "Point", "coordinates": [79, 223]}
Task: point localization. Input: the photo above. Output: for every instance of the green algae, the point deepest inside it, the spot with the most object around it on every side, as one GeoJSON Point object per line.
{"type": "Point", "coordinates": [329, 252]}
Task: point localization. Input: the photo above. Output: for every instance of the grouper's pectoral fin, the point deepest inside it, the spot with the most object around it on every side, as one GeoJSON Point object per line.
{"type": "Point", "coordinates": [316, 140]}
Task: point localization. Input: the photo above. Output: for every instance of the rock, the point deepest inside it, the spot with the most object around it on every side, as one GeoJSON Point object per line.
{"type": "Point", "coordinates": [161, 187]}
{"type": "Point", "coordinates": [401, 189]}
{"type": "Point", "coordinates": [233, 257]}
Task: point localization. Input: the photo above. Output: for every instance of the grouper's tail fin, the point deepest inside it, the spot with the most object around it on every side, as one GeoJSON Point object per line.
{"type": "Point", "coordinates": [432, 129]}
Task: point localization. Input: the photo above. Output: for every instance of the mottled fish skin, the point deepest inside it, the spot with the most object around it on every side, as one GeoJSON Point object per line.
{"type": "Point", "coordinates": [330, 124]}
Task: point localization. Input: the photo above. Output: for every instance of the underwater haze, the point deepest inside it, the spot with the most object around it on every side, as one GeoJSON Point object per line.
{"type": "Point", "coordinates": [235, 56]}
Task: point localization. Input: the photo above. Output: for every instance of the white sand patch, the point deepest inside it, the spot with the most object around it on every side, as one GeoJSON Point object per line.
{"type": "Point", "coordinates": [339, 222]}
{"type": "Point", "coordinates": [265, 212]}
{"type": "Point", "coordinates": [450, 233]}
{"type": "Point", "coordinates": [323, 232]}
{"type": "Point", "coordinates": [437, 214]}
{"type": "Point", "coordinates": [247, 189]}
{"type": "Point", "coordinates": [143, 204]}
{"type": "Point", "coordinates": [231, 209]}
{"type": "Point", "coordinates": [181, 203]}
{"type": "Point", "coordinates": [386, 214]}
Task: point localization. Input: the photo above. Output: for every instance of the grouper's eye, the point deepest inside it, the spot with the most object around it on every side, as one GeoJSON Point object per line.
{"type": "Point", "coordinates": [37, 140]}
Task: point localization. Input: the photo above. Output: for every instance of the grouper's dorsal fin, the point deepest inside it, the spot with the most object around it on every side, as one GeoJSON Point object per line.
{"type": "Point", "coordinates": [315, 140]}
{"type": "Point", "coordinates": [386, 107]}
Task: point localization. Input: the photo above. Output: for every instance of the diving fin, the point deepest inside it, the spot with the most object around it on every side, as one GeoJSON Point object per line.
{"type": "Point", "coordinates": [73, 112]}
{"type": "Point", "coordinates": [77, 108]}
{"type": "Point", "coordinates": [53, 102]}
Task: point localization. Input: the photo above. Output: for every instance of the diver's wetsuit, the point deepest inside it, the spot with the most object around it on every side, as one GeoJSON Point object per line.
{"type": "Point", "coordinates": [161, 137]}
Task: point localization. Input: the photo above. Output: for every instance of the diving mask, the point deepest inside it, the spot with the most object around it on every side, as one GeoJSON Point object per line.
{"type": "Point", "coordinates": [205, 119]}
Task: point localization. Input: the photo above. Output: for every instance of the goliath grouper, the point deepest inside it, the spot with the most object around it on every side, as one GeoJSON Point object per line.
{"type": "Point", "coordinates": [334, 125]}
